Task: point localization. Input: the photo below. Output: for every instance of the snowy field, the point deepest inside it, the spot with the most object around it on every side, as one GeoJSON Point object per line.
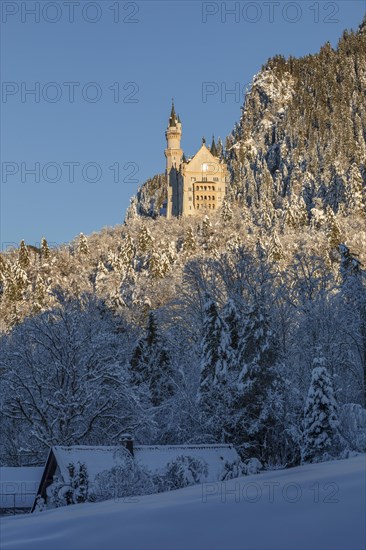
{"type": "Point", "coordinates": [312, 507]}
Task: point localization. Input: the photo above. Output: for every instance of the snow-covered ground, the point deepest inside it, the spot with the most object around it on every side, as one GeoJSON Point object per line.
{"type": "Point", "coordinates": [316, 507]}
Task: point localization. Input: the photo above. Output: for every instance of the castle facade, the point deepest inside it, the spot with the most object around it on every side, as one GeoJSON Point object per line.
{"type": "Point", "coordinates": [196, 184]}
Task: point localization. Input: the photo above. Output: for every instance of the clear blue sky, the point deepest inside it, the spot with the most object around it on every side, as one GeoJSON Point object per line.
{"type": "Point", "coordinates": [164, 49]}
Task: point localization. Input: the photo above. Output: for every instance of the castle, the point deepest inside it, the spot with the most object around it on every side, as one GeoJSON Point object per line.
{"type": "Point", "coordinates": [194, 184]}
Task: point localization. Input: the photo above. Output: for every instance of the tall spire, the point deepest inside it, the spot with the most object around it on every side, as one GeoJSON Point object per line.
{"type": "Point", "coordinates": [173, 116]}
{"type": "Point", "coordinates": [213, 147]}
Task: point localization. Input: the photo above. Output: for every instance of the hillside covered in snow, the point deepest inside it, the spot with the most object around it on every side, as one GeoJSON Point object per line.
{"type": "Point", "coordinates": [316, 506]}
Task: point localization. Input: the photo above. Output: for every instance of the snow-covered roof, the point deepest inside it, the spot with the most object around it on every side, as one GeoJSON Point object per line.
{"type": "Point", "coordinates": [151, 457]}
{"type": "Point", "coordinates": [18, 486]}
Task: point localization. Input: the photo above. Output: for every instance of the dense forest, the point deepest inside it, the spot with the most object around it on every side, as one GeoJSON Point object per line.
{"type": "Point", "coordinates": [247, 326]}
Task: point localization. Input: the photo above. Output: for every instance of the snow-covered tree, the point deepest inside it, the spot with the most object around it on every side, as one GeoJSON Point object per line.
{"type": "Point", "coordinates": [128, 251]}
{"type": "Point", "coordinates": [215, 349]}
{"type": "Point", "coordinates": [145, 240]}
{"type": "Point", "coordinates": [40, 294]}
{"type": "Point", "coordinates": [190, 241]}
{"type": "Point", "coordinates": [159, 263]}
{"type": "Point", "coordinates": [276, 250]}
{"type": "Point", "coordinates": [83, 247]}
{"type": "Point", "coordinates": [151, 364]}
{"type": "Point", "coordinates": [258, 421]}
{"type": "Point", "coordinates": [320, 414]}
{"type": "Point", "coordinates": [65, 376]}
{"type": "Point", "coordinates": [101, 276]}
{"type": "Point", "coordinates": [355, 194]}
{"type": "Point", "coordinates": [232, 319]}
{"type": "Point", "coordinates": [226, 211]}
{"type": "Point", "coordinates": [216, 357]}
{"type": "Point", "coordinates": [45, 251]}
{"type": "Point", "coordinates": [333, 230]}
{"type": "Point", "coordinates": [23, 256]}
{"type": "Point", "coordinates": [16, 283]}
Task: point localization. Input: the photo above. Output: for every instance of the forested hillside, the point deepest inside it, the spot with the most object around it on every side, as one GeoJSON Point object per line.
{"type": "Point", "coordinates": [303, 129]}
{"type": "Point", "coordinates": [248, 326]}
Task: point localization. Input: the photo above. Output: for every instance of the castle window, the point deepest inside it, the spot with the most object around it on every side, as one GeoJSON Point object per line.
{"type": "Point", "coordinates": [213, 206]}
{"type": "Point", "coordinates": [205, 187]}
{"type": "Point", "coordinates": [189, 188]}
{"type": "Point", "coordinates": [204, 179]}
{"type": "Point", "coordinates": [198, 206]}
{"type": "Point", "coordinates": [216, 179]}
{"type": "Point", "coordinates": [189, 198]}
{"type": "Point", "coordinates": [193, 179]}
{"type": "Point", "coordinates": [205, 197]}
{"type": "Point", "coordinates": [213, 197]}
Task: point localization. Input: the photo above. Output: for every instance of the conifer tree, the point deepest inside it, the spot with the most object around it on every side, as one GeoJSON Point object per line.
{"type": "Point", "coordinates": [83, 247]}
{"type": "Point", "coordinates": [101, 275]}
{"type": "Point", "coordinates": [301, 212]}
{"type": "Point", "coordinates": [355, 198]}
{"type": "Point", "coordinates": [144, 241]}
{"type": "Point", "coordinates": [226, 211]}
{"type": "Point", "coordinates": [190, 241]}
{"type": "Point", "coordinates": [220, 148]}
{"type": "Point", "coordinates": [159, 263]}
{"type": "Point", "coordinates": [290, 217]}
{"type": "Point", "coordinates": [4, 273]}
{"type": "Point", "coordinates": [45, 251]}
{"type": "Point", "coordinates": [215, 343]}
{"type": "Point", "coordinates": [40, 290]}
{"type": "Point", "coordinates": [23, 256]}
{"type": "Point", "coordinates": [320, 414]}
{"type": "Point", "coordinates": [151, 364]}
{"type": "Point", "coordinates": [276, 250]}
{"type": "Point", "coordinates": [215, 389]}
{"type": "Point", "coordinates": [128, 251]}
{"type": "Point", "coordinates": [16, 283]}
{"type": "Point", "coordinates": [332, 229]}
{"type": "Point", "coordinates": [260, 385]}
{"type": "Point", "coordinates": [232, 319]}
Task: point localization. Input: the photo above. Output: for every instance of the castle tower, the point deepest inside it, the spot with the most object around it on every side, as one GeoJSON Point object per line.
{"type": "Point", "coordinates": [197, 184]}
{"type": "Point", "coordinates": [173, 154]}
{"type": "Point", "coordinates": [173, 134]}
